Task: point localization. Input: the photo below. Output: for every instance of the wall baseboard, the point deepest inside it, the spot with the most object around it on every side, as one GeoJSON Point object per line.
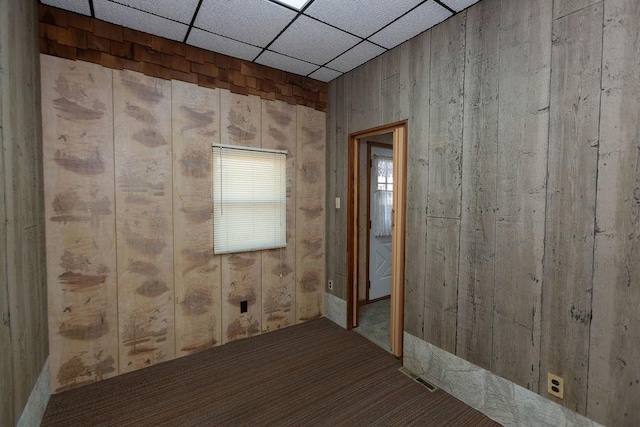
{"type": "Point", "coordinates": [499, 399]}
{"type": "Point", "coordinates": [36, 405]}
{"type": "Point", "coordinates": [335, 309]}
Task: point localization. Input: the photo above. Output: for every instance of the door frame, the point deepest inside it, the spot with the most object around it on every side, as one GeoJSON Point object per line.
{"type": "Point", "coordinates": [399, 131]}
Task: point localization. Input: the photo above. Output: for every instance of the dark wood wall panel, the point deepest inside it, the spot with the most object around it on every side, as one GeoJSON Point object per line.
{"type": "Point", "coordinates": [571, 201]}
{"type": "Point", "coordinates": [614, 360]}
{"type": "Point", "coordinates": [80, 216]}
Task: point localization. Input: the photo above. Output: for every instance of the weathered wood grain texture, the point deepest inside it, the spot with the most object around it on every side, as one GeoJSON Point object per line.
{"type": "Point", "coordinates": [445, 117]}
{"type": "Point", "coordinates": [363, 218]}
{"type": "Point", "coordinates": [563, 8]}
{"type": "Point", "coordinates": [395, 84]}
{"type": "Point", "coordinates": [144, 204]}
{"type": "Point", "coordinates": [339, 230]}
{"type": "Point", "coordinates": [571, 197]}
{"type": "Point", "coordinates": [310, 213]}
{"type": "Point", "coordinates": [478, 221]}
{"type": "Point", "coordinates": [79, 210]}
{"type": "Point", "coordinates": [365, 96]}
{"type": "Point", "coordinates": [279, 265]}
{"type": "Point", "coordinates": [440, 295]}
{"type": "Point", "coordinates": [525, 56]}
{"type": "Point", "coordinates": [241, 124]}
{"type": "Point", "coordinates": [332, 187]}
{"type": "Point", "coordinates": [419, 56]}
{"type": "Point", "coordinates": [195, 122]}
{"type": "Point", "coordinates": [23, 299]}
{"type": "Point", "coordinates": [614, 358]}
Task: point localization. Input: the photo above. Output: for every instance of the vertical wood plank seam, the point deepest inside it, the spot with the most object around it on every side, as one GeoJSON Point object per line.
{"type": "Point", "coordinates": [426, 208]}
{"type": "Point", "coordinates": [497, 183]}
{"type": "Point", "coordinates": [115, 217]}
{"type": "Point", "coordinates": [173, 224]}
{"type": "Point", "coordinates": [595, 207]}
{"type": "Point", "coordinates": [464, 70]}
{"type": "Point", "coordinates": [546, 205]}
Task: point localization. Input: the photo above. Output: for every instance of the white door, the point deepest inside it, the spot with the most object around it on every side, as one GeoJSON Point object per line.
{"type": "Point", "coordinates": [380, 196]}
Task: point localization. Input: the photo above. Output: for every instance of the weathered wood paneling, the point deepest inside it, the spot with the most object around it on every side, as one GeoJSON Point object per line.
{"type": "Point", "coordinates": [79, 211]}
{"type": "Point", "coordinates": [144, 204]}
{"type": "Point", "coordinates": [242, 272]}
{"type": "Point", "coordinates": [364, 101]}
{"type": "Point", "coordinates": [310, 205]}
{"type": "Point", "coordinates": [443, 185]}
{"type": "Point", "coordinates": [418, 54]}
{"type": "Point", "coordinates": [525, 55]}
{"type": "Point", "coordinates": [565, 7]}
{"type": "Point", "coordinates": [614, 359]}
{"type": "Point", "coordinates": [480, 146]}
{"type": "Point", "coordinates": [195, 125]}
{"type": "Point", "coordinates": [445, 118]}
{"type": "Point", "coordinates": [279, 265]}
{"type": "Point", "coordinates": [571, 197]}
{"type": "Point", "coordinates": [339, 230]}
{"type": "Point", "coordinates": [23, 299]}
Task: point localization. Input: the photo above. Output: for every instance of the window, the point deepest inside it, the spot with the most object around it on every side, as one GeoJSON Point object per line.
{"type": "Point", "coordinates": [249, 199]}
{"type": "Point", "coordinates": [383, 196]}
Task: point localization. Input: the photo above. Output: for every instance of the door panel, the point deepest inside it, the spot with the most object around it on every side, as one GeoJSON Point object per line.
{"type": "Point", "coordinates": [379, 246]}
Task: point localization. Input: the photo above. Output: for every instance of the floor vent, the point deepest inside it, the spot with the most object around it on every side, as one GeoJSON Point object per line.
{"type": "Point", "coordinates": [419, 380]}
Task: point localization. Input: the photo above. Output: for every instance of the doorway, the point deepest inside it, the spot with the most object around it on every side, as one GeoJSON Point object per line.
{"type": "Point", "coordinates": [387, 230]}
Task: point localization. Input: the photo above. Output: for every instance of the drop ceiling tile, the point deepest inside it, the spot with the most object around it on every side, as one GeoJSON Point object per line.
{"type": "Point", "coordinates": [313, 41]}
{"type": "Point", "coordinates": [138, 20]}
{"type": "Point", "coordinates": [459, 5]}
{"type": "Point", "coordinates": [325, 74]}
{"type": "Point", "coordinates": [78, 6]}
{"type": "Point", "coordinates": [410, 25]}
{"type": "Point", "coordinates": [281, 62]}
{"type": "Point", "coordinates": [256, 22]}
{"type": "Point", "coordinates": [216, 43]}
{"type": "Point", "coordinates": [372, 14]}
{"type": "Point", "coordinates": [356, 56]}
{"type": "Point", "coordinates": [178, 10]}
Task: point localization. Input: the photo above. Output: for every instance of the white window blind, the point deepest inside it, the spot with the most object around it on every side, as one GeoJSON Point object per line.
{"type": "Point", "coordinates": [249, 199]}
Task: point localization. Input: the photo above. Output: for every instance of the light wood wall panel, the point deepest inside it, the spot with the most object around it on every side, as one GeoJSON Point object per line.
{"type": "Point", "coordinates": [480, 146]}
{"type": "Point", "coordinates": [23, 295]}
{"type": "Point", "coordinates": [142, 123]}
{"type": "Point", "coordinates": [80, 218]}
{"type": "Point", "coordinates": [365, 105]}
{"type": "Point", "coordinates": [418, 55]}
{"type": "Point", "coordinates": [279, 127]}
{"type": "Point", "coordinates": [195, 126]}
{"type": "Point", "coordinates": [241, 124]}
{"type": "Point", "coordinates": [443, 185]}
{"type": "Point", "coordinates": [571, 198]}
{"type": "Point", "coordinates": [310, 206]}
{"type": "Point", "coordinates": [339, 230]}
{"type": "Point", "coordinates": [614, 360]}
{"type": "Point", "coordinates": [523, 122]}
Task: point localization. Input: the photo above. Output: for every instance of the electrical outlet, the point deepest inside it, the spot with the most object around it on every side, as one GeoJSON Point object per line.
{"type": "Point", "coordinates": [330, 285]}
{"type": "Point", "coordinates": [555, 386]}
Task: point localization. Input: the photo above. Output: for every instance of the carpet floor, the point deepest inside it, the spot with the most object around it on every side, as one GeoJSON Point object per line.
{"type": "Point", "coordinates": [315, 374]}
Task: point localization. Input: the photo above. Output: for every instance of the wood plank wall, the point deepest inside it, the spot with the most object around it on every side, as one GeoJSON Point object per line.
{"type": "Point", "coordinates": [23, 298]}
{"type": "Point", "coordinates": [523, 224]}
{"type": "Point", "coordinates": [128, 172]}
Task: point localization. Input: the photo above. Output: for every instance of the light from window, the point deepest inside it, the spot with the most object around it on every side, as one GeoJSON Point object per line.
{"type": "Point", "coordinates": [249, 199]}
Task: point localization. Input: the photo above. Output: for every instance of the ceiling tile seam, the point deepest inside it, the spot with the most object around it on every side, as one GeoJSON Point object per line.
{"type": "Point", "coordinates": [404, 14]}
{"type": "Point", "coordinates": [352, 47]}
{"type": "Point", "coordinates": [289, 56]}
{"type": "Point", "coordinates": [92, 9]}
{"type": "Point", "coordinates": [264, 49]}
{"type": "Point", "coordinates": [323, 66]}
{"type": "Point", "coordinates": [223, 36]}
{"type": "Point", "coordinates": [446, 7]}
{"type": "Point", "coordinates": [288, 6]}
{"type": "Point", "coordinates": [143, 11]}
{"type": "Point", "coordinates": [333, 26]}
{"type": "Point", "coordinates": [193, 20]}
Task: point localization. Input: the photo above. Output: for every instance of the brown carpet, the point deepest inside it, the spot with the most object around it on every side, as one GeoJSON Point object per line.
{"type": "Point", "coordinates": [311, 374]}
